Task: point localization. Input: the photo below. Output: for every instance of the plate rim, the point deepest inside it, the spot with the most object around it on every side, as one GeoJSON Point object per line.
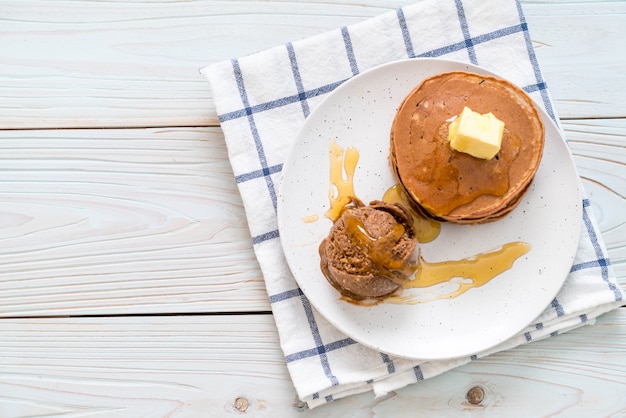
{"type": "Point", "coordinates": [346, 85]}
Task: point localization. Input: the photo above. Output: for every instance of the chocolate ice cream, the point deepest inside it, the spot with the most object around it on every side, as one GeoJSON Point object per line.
{"type": "Point", "coordinates": [370, 250]}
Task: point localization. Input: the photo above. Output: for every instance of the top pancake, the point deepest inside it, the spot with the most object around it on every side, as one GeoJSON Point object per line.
{"type": "Point", "coordinates": [454, 186]}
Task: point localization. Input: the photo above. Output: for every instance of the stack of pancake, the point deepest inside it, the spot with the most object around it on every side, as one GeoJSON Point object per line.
{"type": "Point", "coordinates": [448, 185]}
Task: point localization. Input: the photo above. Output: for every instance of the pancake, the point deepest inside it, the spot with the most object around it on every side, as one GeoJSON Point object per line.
{"type": "Point", "coordinates": [453, 186]}
{"type": "Point", "coordinates": [370, 250]}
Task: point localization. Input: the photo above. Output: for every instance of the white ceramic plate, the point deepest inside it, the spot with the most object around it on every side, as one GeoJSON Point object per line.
{"type": "Point", "coordinates": [359, 114]}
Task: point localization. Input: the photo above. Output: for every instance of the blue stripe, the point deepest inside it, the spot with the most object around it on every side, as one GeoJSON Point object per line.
{"type": "Point", "coordinates": [469, 42]}
{"type": "Point", "coordinates": [255, 133]}
{"type": "Point", "coordinates": [319, 349]}
{"type": "Point", "coordinates": [273, 104]}
{"type": "Point", "coordinates": [259, 173]}
{"type": "Point", "coordinates": [349, 50]}
{"type": "Point", "coordinates": [600, 258]}
{"type": "Point", "coordinates": [391, 368]}
{"type": "Point", "coordinates": [317, 338]}
{"type": "Point", "coordinates": [535, 64]}
{"type": "Point", "coordinates": [405, 34]}
{"type": "Point", "coordinates": [296, 76]}
{"type": "Point", "coordinates": [535, 87]}
{"type": "Point", "coordinates": [591, 264]}
{"type": "Point", "coordinates": [500, 33]}
{"type": "Point", "coordinates": [265, 237]}
{"type": "Point", "coordinates": [418, 373]}
{"type": "Point", "coordinates": [557, 307]}
{"type": "Point", "coordinates": [286, 295]}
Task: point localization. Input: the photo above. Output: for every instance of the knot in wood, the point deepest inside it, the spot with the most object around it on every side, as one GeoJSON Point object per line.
{"type": "Point", "coordinates": [241, 404]}
{"type": "Point", "coordinates": [475, 395]}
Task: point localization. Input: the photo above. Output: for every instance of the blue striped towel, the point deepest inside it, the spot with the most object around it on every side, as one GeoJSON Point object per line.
{"type": "Point", "coordinates": [263, 99]}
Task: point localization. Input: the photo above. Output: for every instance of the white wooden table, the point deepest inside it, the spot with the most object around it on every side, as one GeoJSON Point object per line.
{"type": "Point", "coordinates": [128, 285]}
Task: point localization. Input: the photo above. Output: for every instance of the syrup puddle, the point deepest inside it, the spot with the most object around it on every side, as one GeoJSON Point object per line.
{"type": "Point", "coordinates": [426, 230]}
{"type": "Point", "coordinates": [479, 269]}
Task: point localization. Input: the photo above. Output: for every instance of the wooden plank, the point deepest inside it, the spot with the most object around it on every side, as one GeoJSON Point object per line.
{"type": "Point", "coordinates": [576, 46]}
{"type": "Point", "coordinates": [137, 64]}
{"type": "Point", "coordinates": [122, 221]}
{"type": "Point", "coordinates": [599, 149]}
{"type": "Point", "coordinates": [120, 64]}
{"type": "Point", "coordinates": [150, 220]}
{"type": "Point", "coordinates": [188, 366]}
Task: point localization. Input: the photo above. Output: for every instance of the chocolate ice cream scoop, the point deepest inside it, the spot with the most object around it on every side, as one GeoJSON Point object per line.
{"type": "Point", "coordinates": [370, 250]}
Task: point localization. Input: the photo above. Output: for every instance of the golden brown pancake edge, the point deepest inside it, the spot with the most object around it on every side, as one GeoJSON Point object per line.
{"type": "Point", "coordinates": [452, 186]}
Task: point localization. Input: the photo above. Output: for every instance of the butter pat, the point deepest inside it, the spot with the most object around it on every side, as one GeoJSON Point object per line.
{"type": "Point", "coordinates": [476, 134]}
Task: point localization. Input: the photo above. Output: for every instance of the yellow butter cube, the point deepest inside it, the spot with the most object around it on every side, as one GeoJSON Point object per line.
{"type": "Point", "coordinates": [476, 134]}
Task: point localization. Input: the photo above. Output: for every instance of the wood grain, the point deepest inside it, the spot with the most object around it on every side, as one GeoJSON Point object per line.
{"type": "Point", "coordinates": [137, 65]}
{"type": "Point", "coordinates": [576, 45]}
{"type": "Point", "coordinates": [599, 150]}
{"type": "Point", "coordinates": [122, 221]}
{"type": "Point", "coordinates": [183, 366]}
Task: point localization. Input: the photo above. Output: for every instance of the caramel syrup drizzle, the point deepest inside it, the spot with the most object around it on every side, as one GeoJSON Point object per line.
{"type": "Point", "coordinates": [479, 269]}
{"type": "Point", "coordinates": [426, 230]}
{"type": "Point", "coordinates": [341, 189]}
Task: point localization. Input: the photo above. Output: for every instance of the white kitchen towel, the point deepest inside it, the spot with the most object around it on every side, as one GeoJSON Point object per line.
{"type": "Point", "coordinates": [263, 99]}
